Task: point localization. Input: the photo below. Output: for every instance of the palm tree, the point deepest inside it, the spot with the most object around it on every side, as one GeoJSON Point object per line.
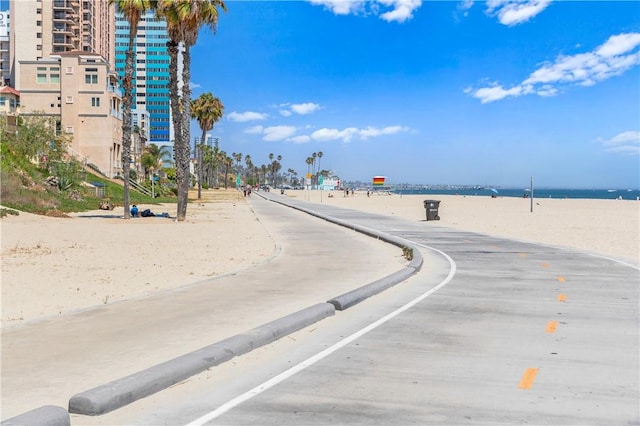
{"type": "Point", "coordinates": [207, 109]}
{"type": "Point", "coordinates": [264, 170]}
{"type": "Point", "coordinates": [132, 11]}
{"type": "Point", "coordinates": [238, 157]}
{"type": "Point", "coordinates": [228, 163]}
{"type": "Point", "coordinates": [309, 162]}
{"type": "Point", "coordinates": [184, 20]}
{"type": "Point", "coordinates": [154, 158]}
{"type": "Point", "coordinates": [313, 164]}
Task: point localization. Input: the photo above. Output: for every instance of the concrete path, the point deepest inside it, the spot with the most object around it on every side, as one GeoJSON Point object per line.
{"type": "Point", "coordinates": [515, 333]}
{"type": "Point", "coordinates": [47, 362]}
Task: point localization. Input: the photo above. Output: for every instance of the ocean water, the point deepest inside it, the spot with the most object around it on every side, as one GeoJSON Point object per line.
{"type": "Point", "coordinates": [598, 194]}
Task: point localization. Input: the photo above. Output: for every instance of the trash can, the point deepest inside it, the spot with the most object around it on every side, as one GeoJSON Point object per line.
{"type": "Point", "coordinates": [431, 207]}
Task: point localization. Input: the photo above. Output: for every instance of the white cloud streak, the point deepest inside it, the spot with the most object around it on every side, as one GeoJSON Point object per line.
{"type": "Point", "coordinates": [617, 55]}
{"type": "Point", "coordinates": [623, 143]}
{"type": "Point", "coordinates": [278, 133]}
{"type": "Point", "coordinates": [288, 133]}
{"type": "Point", "coordinates": [300, 109]}
{"type": "Point", "coordinates": [347, 134]}
{"type": "Point", "coordinates": [514, 12]}
{"type": "Point", "coordinates": [401, 10]}
{"type": "Point", "coordinates": [246, 116]}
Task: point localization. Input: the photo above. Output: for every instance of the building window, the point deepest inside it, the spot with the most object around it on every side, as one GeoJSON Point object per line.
{"type": "Point", "coordinates": [38, 23]}
{"type": "Point", "coordinates": [69, 70]}
{"type": "Point", "coordinates": [38, 11]}
{"type": "Point", "coordinates": [41, 78]}
{"type": "Point", "coordinates": [69, 129]}
{"type": "Point", "coordinates": [69, 99]}
{"type": "Point", "coordinates": [54, 78]}
{"type": "Point", "coordinates": [95, 102]}
{"type": "Point", "coordinates": [38, 47]}
{"type": "Point", "coordinates": [38, 35]}
{"type": "Point", "coordinates": [3, 99]}
{"type": "Point", "coordinates": [91, 79]}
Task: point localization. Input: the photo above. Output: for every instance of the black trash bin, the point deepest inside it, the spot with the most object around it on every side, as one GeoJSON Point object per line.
{"type": "Point", "coordinates": [431, 207]}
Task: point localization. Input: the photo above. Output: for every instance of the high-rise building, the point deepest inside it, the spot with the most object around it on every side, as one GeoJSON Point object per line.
{"type": "Point", "coordinates": [151, 74]}
{"type": "Point", "coordinates": [5, 67]}
{"type": "Point", "coordinates": [41, 28]}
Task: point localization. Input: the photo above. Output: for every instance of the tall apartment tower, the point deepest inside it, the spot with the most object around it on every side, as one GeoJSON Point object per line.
{"type": "Point", "coordinates": [151, 75]}
{"type": "Point", "coordinates": [41, 28]}
{"type": "Point", "coordinates": [5, 67]}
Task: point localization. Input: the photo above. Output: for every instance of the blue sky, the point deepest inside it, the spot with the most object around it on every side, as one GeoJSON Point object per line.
{"type": "Point", "coordinates": [445, 92]}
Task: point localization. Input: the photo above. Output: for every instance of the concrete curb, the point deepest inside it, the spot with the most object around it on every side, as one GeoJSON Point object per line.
{"type": "Point", "coordinates": [358, 295]}
{"type": "Point", "coordinates": [48, 415]}
{"type": "Point", "coordinates": [106, 398]}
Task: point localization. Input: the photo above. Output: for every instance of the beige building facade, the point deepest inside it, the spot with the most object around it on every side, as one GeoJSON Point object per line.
{"type": "Point", "coordinates": [83, 96]}
{"type": "Point", "coordinates": [41, 28]}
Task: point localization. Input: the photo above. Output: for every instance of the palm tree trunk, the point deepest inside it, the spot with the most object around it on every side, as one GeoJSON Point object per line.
{"type": "Point", "coordinates": [185, 144]}
{"type": "Point", "coordinates": [126, 120]}
{"type": "Point", "coordinates": [180, 156]}
{"type": "Point", "coordinates": [204, 135]}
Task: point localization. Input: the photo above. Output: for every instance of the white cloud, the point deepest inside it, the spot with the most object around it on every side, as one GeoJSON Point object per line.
{"type": "Point", "coordinates": [304, 109]}
{"type": "Point", "coordinates": [619, 44]}
{"type": "Point", "coordinates": [300, 139]}
{"type": "Point", "coordinates": [514, 12]}
{"type": "Point", "coordinates": [495, 93]}
{"type": "Point", "coordinates": [340, 7]}
{"type": "Point", "coordinates": [617, 55]}
{"type": "Point", "coordinates": [287, 109]}
{"type": "Point", "coordinates": [626, 143]}
{"type": "Point", "coordinates": [254, 130]}
{"type": "Point", "coordinates": [466, 4]}
{"type": "Point", "coordinates": [401, 10]}
{"type": "Point", "coordinates": [373, 131]}
{"type": "Point", "coordinates": [334, 134]}
{"type": "Point", "coordinates": [246, 116]}
{"type": "Point", "coordinates": [278, 133]}
{"type": "Point", "coordinates": [347, 134]}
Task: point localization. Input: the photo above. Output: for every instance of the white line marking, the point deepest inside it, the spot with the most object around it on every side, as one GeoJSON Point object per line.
{"type": "Point", "coordinates": [312, 360]}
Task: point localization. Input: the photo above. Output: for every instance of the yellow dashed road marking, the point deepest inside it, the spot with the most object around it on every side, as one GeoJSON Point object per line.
{"type": "Point", "coordinates": [562, 298]}
{"type": "Point", "coordinates": [546, 265]}
{"type": "Point", "coordinates": [552, 326]}
{"type": "Point", "coordinates": [561, 279]}
{"type": "Point", "coordinates": [527, 378]}
{"type": "Point", "coordinates": [522, 254]}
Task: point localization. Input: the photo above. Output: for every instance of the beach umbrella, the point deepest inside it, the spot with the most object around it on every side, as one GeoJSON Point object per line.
{"type": "Point", "coordinates": [495, 191]}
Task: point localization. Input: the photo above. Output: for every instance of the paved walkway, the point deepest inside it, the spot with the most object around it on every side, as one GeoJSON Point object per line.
{"type": "Point", "coordinates": [46, 363]}
{"type": "Point", "coordinates": [522, 333]}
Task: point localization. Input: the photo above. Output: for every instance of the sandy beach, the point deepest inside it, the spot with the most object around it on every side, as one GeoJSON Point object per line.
{"type": "Point", "coordinates": [54, 266]}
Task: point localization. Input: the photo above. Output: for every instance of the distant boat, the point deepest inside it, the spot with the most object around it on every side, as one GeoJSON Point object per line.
{"type": "Point", "coordinates": [611, 190]}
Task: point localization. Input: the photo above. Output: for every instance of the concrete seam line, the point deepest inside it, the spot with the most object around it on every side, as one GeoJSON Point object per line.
{"type": "Point", "coordinates": [48, 415]}
{"type": "Point", "coordinates": [123, 391]}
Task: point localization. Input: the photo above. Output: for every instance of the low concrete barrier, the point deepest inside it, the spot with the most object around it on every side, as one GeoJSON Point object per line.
{"type": "Point", "coordinates": [358, 295]}
{"type": "Point", "coordinates": [106, 398]}
{"type": "Point", "coordinates": [48, 415]}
